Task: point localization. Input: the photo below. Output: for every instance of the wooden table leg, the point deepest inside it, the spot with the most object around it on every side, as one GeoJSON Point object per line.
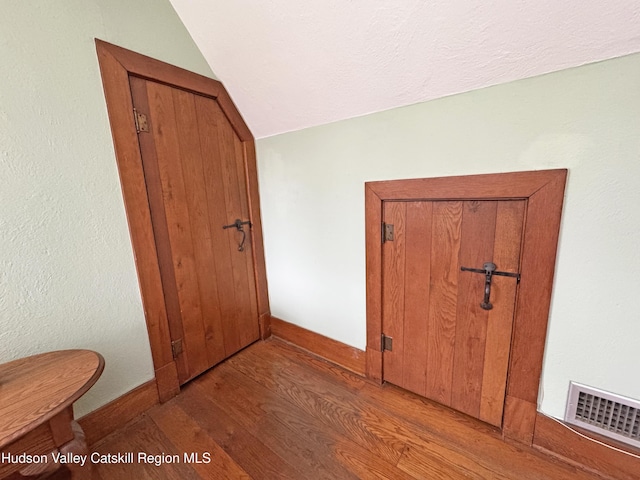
{"type": "Point", "coordinates": [68, 434]}
{"type": "Point", "coordinates": [78, 446]}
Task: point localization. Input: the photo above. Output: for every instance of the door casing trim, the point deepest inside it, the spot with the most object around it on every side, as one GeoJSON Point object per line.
{"type": "Point", "coordinates": [544, 192]}
{"type": "Point", "coordinates": [116, 65]}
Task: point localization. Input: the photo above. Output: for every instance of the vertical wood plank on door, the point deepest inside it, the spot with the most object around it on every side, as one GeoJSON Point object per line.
{"type": "Point", "coordinates": [259, 266]}
{"type": "Point", "coordinates": [209, 118]}
{"type": "Point", "coordinates": [393, 254]}
{"type": "Point", "coordinates": [245, 265]}
{"type": "Point", "coordinates": [233, 237]}
{"type": "Point", "coordinates": [226, 178]}
{"type": "Point", "coordinates": [506, 255]}
{"type": "Point", "coordinates": [417, 280]}
{"type": "Point", "coordinates": [446, 224]}
{"type": "Point", "coordinates": [236, 204]}
{"type": "Point", "coordinates": [159, 222]}
{"type": "Point", "coordinates": [241, 174]}
{"type": "Point", "coordinates": [161, 109]}
{"type": "Point", "coordinates": [197, 205]}
{"type": "Point", "coordinates": [478, 232]}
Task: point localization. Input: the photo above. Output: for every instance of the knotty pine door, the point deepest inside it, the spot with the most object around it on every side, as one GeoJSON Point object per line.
{"type": "Point", "coordinates": [445, 346]}
{"type": "Point", "coordinates": [193, 162]}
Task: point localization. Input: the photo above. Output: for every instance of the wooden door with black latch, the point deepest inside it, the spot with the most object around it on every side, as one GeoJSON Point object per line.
{"type": "Point", "coordinates": [450, 275]}
{"type": "Point", "coordinates": [194, 170]}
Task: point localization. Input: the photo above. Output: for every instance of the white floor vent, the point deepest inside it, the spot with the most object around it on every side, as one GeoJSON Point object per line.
{"type": "Point", "coordinates": [605, 413]}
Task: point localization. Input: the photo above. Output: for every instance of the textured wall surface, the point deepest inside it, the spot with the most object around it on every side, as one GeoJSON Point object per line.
{"type": "Point", "coordinates": [67, 275]}
{"type": "Point", "coordinates": [585, 119]}
{"type": "Point", "coordinates": [290, 64]}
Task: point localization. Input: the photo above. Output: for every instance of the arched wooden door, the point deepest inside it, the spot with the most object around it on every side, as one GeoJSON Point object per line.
{"type": "Point", "coordinates": [193, 162]}
{"type": "Point", "coordinates": [187, 168]}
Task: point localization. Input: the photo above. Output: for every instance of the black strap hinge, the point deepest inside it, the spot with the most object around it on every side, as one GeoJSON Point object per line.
{"type": "Point", "coordinates": [387, 232]}
{"type": "Point", "coordinates": [386, 343]}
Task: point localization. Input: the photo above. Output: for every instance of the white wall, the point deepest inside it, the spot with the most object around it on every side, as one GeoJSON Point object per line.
{"type": "Point", "coordinates": [67, 275]}
{"type": "Point", "coordinates": [586, 119]}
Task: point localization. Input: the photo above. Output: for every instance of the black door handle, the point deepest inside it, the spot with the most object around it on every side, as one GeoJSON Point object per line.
{"type": "Point", "coordinates": [489, 269]}
{"type": "Point", "coordinates": [238, 224]}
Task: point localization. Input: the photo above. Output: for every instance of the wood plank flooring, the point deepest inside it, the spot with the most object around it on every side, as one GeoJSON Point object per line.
{"type": "Point", "coordinates": [276, 412]}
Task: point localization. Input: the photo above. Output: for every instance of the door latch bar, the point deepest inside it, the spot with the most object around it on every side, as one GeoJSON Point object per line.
{"type": "Point", "coordinates": [489, 269]}
{"type": "Point", "coordinates": [238, 224]}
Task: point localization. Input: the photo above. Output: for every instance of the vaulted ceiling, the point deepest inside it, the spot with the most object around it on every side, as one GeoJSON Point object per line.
{"type": "Point", "coordinates": [291, 64]}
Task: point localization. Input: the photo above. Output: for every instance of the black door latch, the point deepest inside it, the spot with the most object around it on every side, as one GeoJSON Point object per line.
{"type": "Point", "coordinates": [238, 224]}
{"type": "Point", "coordinates": [489, 269]}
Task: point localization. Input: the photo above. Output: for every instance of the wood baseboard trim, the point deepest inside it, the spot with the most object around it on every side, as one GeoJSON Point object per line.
{"type": "Point", "coordinates": [553, 438]}
{"type": "Point", "coordinates": [117, 413]}
{"type": "Point", "coordinates": [347, 357]}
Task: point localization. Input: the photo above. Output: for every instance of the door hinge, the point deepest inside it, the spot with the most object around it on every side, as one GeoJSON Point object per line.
{"type": "Point", "coordinates": [387, 232]}
{"type": "Point", "coordinates": [386, 343]}
{"type": "Point", "coordinates": [142, 125]}
{"type": "Point", "coordinates": [176, 347]}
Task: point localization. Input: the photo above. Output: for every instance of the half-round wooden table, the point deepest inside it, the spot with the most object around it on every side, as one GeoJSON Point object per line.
{"type": "Point", "coordinates": [36, 411]}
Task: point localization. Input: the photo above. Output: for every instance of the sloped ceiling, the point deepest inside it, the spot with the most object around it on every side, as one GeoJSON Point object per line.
{"type": "Point", "coordinates": [291, 64]}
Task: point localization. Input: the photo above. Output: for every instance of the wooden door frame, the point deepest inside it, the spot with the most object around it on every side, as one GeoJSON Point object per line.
{"type": "Point", "coordinates": [116, 66]}
{"type": "Point", "coordinates": [544, 192]}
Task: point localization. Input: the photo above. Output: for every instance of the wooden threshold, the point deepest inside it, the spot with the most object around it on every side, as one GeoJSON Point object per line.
{"type": "Point", "coordinates": [335, 352]}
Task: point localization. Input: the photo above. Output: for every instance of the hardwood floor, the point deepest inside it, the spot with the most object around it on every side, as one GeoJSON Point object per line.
{"type": "Point", "coordinates": [275, 412]}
